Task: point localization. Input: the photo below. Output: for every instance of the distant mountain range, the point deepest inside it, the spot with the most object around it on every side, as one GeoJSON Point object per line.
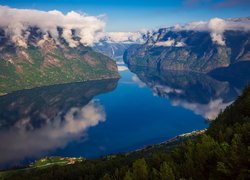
{"type": "Point", "coordinates": [114, 50]}
{"type": "Point", "coordinates": [199, 46]}
{"type": "Point", "coordinates": [42, 60]}
{"type": "Point", "coordinates": [115, 44]}
{"type": "Point", "coordinates": [36, 58]}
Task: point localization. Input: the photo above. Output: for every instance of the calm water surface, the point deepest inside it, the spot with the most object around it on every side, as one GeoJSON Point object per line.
{"type": "Point", "coordinates": [97, 118]}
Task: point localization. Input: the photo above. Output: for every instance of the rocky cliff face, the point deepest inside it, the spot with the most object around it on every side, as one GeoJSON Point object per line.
{"type": "Point", "coordinates": [46, 61]}
{"type": "Point", "coordinates": [188, 49]}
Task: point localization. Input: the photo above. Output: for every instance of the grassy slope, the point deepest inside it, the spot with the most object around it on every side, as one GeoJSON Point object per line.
{"type": "Point", "coordinates": [67, 70]}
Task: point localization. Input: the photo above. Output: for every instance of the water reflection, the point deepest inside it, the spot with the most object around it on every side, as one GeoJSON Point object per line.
{"type": "Point", "coordinates": [201, 93]}
{"type": "Point", "coordinates": [56, 120]}
{"type": "Point", "coordinates": [35, 121]}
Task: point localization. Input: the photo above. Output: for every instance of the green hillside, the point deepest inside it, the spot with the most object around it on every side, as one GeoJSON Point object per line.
{"type": "Point", "coordinates": [22, 68]}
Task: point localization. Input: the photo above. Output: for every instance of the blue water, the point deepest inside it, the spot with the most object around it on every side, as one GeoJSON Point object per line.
{"type": "Point", "coordinates": [135, 118]}
{"type": "Point", "coordinates": [96, 118]}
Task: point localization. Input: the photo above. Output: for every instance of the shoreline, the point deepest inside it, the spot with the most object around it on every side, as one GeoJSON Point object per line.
{"type": "Point", "coordinates": [97, 79]}
{"type": "Point", "coordinates": [193, 133]}
{"type": "Point", "coordinates": [77, 159]}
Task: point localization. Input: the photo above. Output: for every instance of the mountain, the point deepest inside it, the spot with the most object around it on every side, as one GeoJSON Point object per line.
{"type": "Point", "coordinates": [41, 60]}
{"type": "Point", "coordinates": [114, 50]}
{"type": "Point", "coordinates": [198, 46]}
{"type": "Point", "coordinates": [236, 74]}
{"type": "Point", "coordinates": [114, 44]}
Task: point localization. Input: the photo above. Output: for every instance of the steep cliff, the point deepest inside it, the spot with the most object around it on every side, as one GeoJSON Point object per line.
{"type": "Point", "coordinates": [193, 49]}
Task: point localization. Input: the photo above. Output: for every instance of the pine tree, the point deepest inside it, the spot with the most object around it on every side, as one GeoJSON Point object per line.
{"type": "Point", "coordinates": [140, 169]}
{"type": "Point", "coordinates": [106, 177]}
{"type": "Point", "coordinates": [166, 172]}
{"type": "Point", "coordinates": [128, 176]}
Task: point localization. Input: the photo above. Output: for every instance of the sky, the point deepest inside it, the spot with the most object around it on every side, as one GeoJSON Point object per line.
{"type": "Point", "coordinates": [133, 15]}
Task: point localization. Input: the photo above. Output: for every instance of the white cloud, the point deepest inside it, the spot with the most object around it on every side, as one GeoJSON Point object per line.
{"type": "Point", "coordinates": [138, 81]}
{"type": "Point", "coordinates": [26, 141]}
{"type": "Point", "coordinates": [16, 21]}
{"type": "Point", "coordinates": [166, 89]}
{"type": "Point", "coordinates": [218, 38]}
{"type": "Point", "coordinates": [209, 111]}
{"type": "Point", "coordinates": [79, 119]}
{"type": "Point", "coordinates": [125, 37]}
{"type": "Point", "coordinates": [170, 42]}
{"type": "Point", "coordinates": [180, 44]}
{"type": "Point", "coordinates": [90, 29]}
{"type": "Point", "coordinates": [216, 27]}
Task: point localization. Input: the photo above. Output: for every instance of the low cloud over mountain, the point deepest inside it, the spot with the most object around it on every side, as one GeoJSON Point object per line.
{"type": "Point", "coordinates": [216, 27]}
{"type": "Point", "coordinates": [75, 28]}
{"type": "Point", "coordinates": [79, 28]}
{"type": "Point", "coordinates": [87, 28]}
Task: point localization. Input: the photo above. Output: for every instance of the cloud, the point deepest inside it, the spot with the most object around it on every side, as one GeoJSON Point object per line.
{"type": "Point", "coordinates": [138, 81]}
{"type": "Point", "coordinates": [79, 119]}
{"type": "Point", "coordinates": [125, 37]}
{"type": "Point", "coordinates": [209, 111]}
{"type": "Point", "coordinates": [89, 29]}
{"type": "Point", "coordinates": [180, 44]}
{"type": "Point", "coordinates": [216, 27]}
{"type": "Point", "coordinates": [16, 22]}
{"type": "Point", "coordinates": [165, 89]}
{"type": "Point", "coordinates": [170, 42]}
{"type": "Point", "coordinates": [24, 140]}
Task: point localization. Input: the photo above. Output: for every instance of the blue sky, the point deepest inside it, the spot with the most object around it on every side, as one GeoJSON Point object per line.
{"type": "Point", "coordinates": [132, 15]}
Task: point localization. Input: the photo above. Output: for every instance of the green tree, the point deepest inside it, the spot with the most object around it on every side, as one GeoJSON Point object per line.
{"type": "Point", "coordinates": [166, 172]}
{"type": "Point", "coordinates": [106, 177]}
{"type": "Point", "coordinates": [128, 176]}
{"type": "Point", "coordinates": [222, 168]}
{"type": "Point", "coordinates": [155, 174]}
{"type": "Point", "coordinates": [140, 169]}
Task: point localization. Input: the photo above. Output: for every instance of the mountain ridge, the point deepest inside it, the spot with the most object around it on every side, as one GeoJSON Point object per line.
{"type": "Point", "coordinates": [45, 62]}
{"type": "Point", "coordinates": [198, 46]}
